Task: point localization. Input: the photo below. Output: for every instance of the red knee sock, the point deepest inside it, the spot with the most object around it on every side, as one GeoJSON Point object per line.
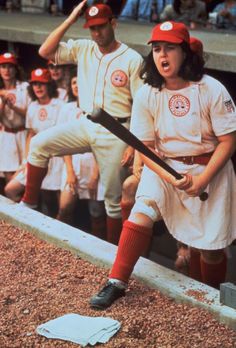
{"type": "Point", "coordinates": [114, 227]}
{"type": "Point", "coordinates": [34, 178]}
{"type": "Point", "coordinates": [214, 274]}
{"type": "Point", "coordinates": [125, 210]}
{"type": "Point", "coordinates": [134, 241]}
{"type": "Point", "coordinates": [195, 265]}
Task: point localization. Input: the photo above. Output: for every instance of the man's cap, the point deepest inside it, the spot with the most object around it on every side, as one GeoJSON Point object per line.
{"type": "Point", "coordinates": [97, 15]}
{"type": "Point", "coordinates": [196, 45]}
{"type": "Point", "coordinates": [40, 75]}
{"type": "Point", "coordinates": [170, 32]}
{"type": "Point", "coordinates": [8, 58]}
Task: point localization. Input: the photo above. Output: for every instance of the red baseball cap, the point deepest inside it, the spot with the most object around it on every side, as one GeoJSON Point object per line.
{"type": "Point", "coordinates": [8, 58]}
{"type": "Point", "coordinates": [40, 75]}
{"type": "Point", "coordinates": [97, 15]}
{"type": "Point", "coordinates": [196, 45]}
{"type": "Point", "coordinates": [171, 32]}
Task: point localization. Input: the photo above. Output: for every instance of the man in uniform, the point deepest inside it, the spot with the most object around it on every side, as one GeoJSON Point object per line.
{"type": "Point", "coordinates": [108, 77]}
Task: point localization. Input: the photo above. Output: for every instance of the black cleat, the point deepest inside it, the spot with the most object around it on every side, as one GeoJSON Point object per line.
{"type": "Point", "coordinates": [106, 296]}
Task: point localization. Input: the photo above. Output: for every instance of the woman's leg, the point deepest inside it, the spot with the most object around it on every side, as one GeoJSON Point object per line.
{"type": "Point", "coordinates": [134, 240]}
{"type": "Point", "coordinates": [67, 205]}
{"type": "Point", "coordinates": [213, 267]}
{"type": "Point", "coordinates": [14, 190]}
{"type": "Point", "coordinates": [98, 218]}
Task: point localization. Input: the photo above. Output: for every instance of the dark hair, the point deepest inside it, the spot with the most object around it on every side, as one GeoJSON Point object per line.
{"type": "Point", "coordinates": [19, 76]}
{"type": "Point", "coordinates": [72, 73]}
{"type": "Point", "coordinates": [192, 68]}
{"type": "Point", "coordinates": [51, 89]}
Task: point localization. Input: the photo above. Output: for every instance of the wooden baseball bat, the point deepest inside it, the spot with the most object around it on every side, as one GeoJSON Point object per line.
{"type": "Point", "coordinates": [107, 121]}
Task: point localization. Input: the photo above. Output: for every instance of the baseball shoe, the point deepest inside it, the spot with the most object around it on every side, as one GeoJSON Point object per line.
{"type": "Point", "coordinates": [106, 296]}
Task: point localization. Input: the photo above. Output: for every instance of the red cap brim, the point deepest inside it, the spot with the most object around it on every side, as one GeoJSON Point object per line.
{"type": "Point", "coordinates": [95, 21]}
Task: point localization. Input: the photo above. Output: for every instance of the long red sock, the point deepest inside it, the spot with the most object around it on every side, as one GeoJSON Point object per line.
{"type": "Point", "coordinates": [195, 265]}
{"type": "Point", "coordinates": [35, 176]}
{"type": "Point", "coordinates": [214, 274]}
{"type": "Point", "coordinates": [125, 210]}
{"type": "Point", "coordinates": [114, 227]}
{"type": "Point", "coordinates": [134, 241]}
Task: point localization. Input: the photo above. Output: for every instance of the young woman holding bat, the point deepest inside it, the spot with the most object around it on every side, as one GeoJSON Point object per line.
{"type": "Point", "coordinates": [189, 119]}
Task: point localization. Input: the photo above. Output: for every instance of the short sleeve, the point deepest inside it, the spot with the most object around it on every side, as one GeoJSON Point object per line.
{"type": "Point", "coordinates": [222, 110]}
{"type": "Point", "coordinates": [142, 119]}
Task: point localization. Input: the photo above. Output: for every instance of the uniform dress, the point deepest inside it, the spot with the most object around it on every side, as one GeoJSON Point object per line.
{"type": "Point", "coordinates": [83, 164]}
{"type": "Point", "coordinates": [13, 133]}
{"type": "Point", "coordinates": [183, 123]}
{"type": "Point", "coordinates": [108, 81]}
{"type": "Point", "coordinates": [38, 118]}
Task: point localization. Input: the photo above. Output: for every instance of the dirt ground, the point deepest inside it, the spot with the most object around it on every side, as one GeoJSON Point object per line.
{"type": "Point", "coordinates": [39, 282]}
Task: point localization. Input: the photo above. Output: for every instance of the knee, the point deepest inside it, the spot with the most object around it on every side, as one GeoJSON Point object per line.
{"type": "Point", "coordinates": [213, 256]}
{"type": "Point", "coordinates": [129, 189]}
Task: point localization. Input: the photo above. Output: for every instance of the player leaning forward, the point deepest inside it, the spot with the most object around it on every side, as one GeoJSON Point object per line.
{"type": "Point", "coordinates": [191, 119]}
{"type": "Point", "coordinates": [108, 77]}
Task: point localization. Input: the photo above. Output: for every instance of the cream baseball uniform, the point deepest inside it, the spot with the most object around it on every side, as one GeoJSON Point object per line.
{"type": "Point", "coordinates": [12, 140]}
{"type": "Point", "coordinates": [40, 117]}
{"type": "Point", "coordinates": [108, 81]}
{"type": "Point", "coordinates": [83, 164]}
{"type": "Point", "coordinates": [183, 123]}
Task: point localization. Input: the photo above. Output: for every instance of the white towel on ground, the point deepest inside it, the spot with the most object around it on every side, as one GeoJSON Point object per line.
{"type": "Point", "coordinates": [80, 329]}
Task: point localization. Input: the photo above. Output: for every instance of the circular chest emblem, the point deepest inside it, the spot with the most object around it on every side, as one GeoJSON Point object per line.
{"type": "Point", "coordinates": [43, 114]}
{"type": "Point", "coordinates": [93, 11]}
{"type": "Point", "coordinates": [179, 105]}
{"type": "Point", "coordinates": [119, 78]}
{"type": "Point", "coordinates": [11, 97]}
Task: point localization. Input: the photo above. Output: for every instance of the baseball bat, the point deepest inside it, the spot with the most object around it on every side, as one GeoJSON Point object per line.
{"type": "Point", "coordinates": [107, 121]}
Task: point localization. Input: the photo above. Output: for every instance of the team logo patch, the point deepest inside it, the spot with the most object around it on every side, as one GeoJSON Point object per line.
{"type": "Point", "coordinates": [93, 11]}
{"type": "Point", "coordinates": [12, 98]}
{"type": "Point", "coordinates": [166, 26]}
{"type": "Point", "coordinates": [43, 114]}
{"type": "Point", "coordinates": [7, 55]}
{"type": "Point", "coordinates": [119, 78]}
{"type": "Point", "coordinates": [38, 72]}
{"type": "Point", "coordinates": [179, 105]}
{"type": "Point", "coordinates": [229, 106]}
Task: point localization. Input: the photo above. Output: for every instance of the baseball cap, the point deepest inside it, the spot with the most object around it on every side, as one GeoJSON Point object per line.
{"type": "Point", "coordinates": [40, 75]}
{"type": "Point", "coordinates": [171, 32]}
{"type": "Point", "coordinates": [196, 45]}
{"type": "Point", "coordinates": [8, 58]}
{"type": "Point", "coordinates": [97, 15]}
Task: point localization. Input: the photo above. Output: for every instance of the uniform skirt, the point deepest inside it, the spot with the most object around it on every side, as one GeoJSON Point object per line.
{"type": "Point", "coordinates": [209, 224]}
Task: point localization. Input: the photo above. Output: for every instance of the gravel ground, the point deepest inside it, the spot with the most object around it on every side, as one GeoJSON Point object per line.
{"type": "Point", "coordinates": [40, 282]}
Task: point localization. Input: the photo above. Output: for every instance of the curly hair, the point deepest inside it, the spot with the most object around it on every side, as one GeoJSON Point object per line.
{"type": "Point", "coordinates": [192, 68]}
{"type": "Point", "coordinates": [51, 89]}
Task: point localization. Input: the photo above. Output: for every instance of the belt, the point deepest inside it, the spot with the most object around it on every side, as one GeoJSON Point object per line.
{"type": "Point", "coordinates": [200, 159]}
{"type": "Point", "coordinates": [13, 130]}
{"type": "Point", "coordinates": [122, 119]}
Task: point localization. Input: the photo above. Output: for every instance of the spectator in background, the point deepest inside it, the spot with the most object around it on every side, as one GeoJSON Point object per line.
{"type": "Point", "coordinates": [42, 113]}
{"type": "Point", "coordinates": [224, 15]}
{"type": "Point", "coordinates": [190, 12]}
{"type": "Point", "coordinates": [57, 73]}
{"type": "Point", "coordinates": [143, 10]}
{"type": "Point", "coordinates": [14, 100]}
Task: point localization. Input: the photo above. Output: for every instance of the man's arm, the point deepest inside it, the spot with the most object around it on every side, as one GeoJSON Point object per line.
{"type": "Point", "coordinates": [50, 45]}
